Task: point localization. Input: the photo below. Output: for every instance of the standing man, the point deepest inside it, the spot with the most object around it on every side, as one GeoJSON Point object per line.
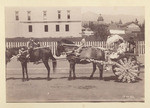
{"type": "Point", "coordinates": [132, 45]}
{"type": "Point", "coordinates": [21, 51]}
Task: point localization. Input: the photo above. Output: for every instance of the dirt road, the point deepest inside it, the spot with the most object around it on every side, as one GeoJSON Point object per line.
{"type": "Point", "coordinates": [60, 89]}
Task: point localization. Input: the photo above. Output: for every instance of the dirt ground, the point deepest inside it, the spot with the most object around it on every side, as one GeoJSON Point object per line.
{"type": "Point", "coordinates": [60, 89]}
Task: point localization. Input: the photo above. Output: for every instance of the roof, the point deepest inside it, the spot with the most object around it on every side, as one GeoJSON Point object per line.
{"type": "Point", "coordinates": [133, 29]}
{"type": "Point", "coordinates": [117, 31]}
{"type": "Point", "coordinates": [115, 26]}
{"type": "Point", "coordinates": [128, 23]}
{"type": "Point", "coordinates": [88, 32]}
{"type": "Point", "coordinates": [100, 18]}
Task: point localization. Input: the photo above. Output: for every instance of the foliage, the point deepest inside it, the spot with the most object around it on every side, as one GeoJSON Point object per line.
{"type": "Point", "coordinates": [141, 35]}
{"type": "Point", "coordinates": [100, 31]}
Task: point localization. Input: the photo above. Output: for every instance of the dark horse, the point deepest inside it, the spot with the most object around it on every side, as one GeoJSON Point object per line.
{"type": "Point", "coordinates": [43, 54]}
{"type": "Point", "coordinates": [68, 47]}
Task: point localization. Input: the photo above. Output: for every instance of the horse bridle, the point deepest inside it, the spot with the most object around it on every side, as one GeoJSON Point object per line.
{"type": "Point", "coordinates": [64, 52]}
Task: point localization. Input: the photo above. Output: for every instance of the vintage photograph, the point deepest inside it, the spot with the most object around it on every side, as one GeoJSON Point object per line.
{"type": "Point", "coordinates": [75, 54]}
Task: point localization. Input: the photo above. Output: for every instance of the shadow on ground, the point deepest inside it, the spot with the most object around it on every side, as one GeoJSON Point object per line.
{"type": "Point", "coordinates": [109, 78]}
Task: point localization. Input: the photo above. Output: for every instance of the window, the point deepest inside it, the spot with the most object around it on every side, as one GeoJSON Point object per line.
{"type": "Point", "coordinates": [68, 14]}
{"type": "Point", "coordinates": [67, 27]}
{"type": "Point", "coordinates": [59, 14]}
{"type": "Point", "coordinates": [17, 15]}
{"type": "Point", "coordinates": [57, 27]}
{"type": "Point", "coordinates": [30, 28]}
{"type": "Point", "coordinates": [29, 15]}
{"type": "Point", "coordinates": [44, 15]}
{"type": "Point", "coordinates": [46, 28]}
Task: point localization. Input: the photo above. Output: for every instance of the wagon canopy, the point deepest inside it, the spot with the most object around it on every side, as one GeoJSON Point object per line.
{"type": "Point", "coordinates": [113, 38]}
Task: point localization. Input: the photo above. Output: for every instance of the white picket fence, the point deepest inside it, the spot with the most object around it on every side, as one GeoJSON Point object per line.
{"type": "Point", "coordinates": [140, 45]}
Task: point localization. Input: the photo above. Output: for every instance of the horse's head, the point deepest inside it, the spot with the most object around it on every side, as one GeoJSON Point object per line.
{"type": "Point", "coordinates": [10, 52]}
{"type": "Point", "coordinates": [8, 56]}
{"type": "Point", "coordinates": [62, 46]}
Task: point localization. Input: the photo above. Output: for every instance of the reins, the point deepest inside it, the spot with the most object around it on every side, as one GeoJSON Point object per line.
{"type": "Point", "coordinates": [74, 45]}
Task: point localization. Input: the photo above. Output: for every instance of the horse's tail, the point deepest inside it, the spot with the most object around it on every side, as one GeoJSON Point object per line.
{"type": "Point", "coordinates": [54, 62]}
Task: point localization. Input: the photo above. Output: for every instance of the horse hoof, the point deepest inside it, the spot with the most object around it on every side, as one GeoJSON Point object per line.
{"type": "Point", "coordinates": [91, 77]}
{"type": "Point", "coordinates": [49, 79]}
{"type": "Point", "coordinates": [100, 78]}
{"type": "Point", "coordinates": [74, 78]}
{"type": "Point", "coordinates": [69, 78]}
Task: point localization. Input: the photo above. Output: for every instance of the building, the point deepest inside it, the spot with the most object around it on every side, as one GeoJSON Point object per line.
{"type": "Point", "coordinates": [87, 32]}
{"type": "Point", "coordinates": [131, 27]}
{"type": "Point", "coordinates": [127, 28]}
{"type": "Point", "coordinates": [99, 21]}
{"type": "Point", "coordinates": [41, 22]}
{"type": "Point", "coordinates": [115, 28]}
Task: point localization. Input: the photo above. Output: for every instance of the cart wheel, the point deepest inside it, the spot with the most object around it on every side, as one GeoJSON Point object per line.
{"type": "Point", "coordinates": [126, 69]}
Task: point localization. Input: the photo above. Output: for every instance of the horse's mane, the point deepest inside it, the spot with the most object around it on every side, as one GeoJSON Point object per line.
{"type": "Point", "coordinates": [66, 41]}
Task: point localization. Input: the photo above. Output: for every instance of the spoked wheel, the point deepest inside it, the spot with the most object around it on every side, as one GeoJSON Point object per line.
{"type": "Point", "coordinates": [126, 69]}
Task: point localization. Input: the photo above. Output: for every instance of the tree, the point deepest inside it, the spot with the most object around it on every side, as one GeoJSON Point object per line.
{"type": "Point", "coordinates": [91, 25]}
{"type": "Point", "coordinates": [101, 32]}
{"type": "Point", "coordinates": [85, 26]}
{"type": "Point", "coordinates": [142, 34]}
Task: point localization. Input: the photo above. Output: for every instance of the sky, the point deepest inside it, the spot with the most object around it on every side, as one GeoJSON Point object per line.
{"type": "Point", "coordinates": [137, 11]}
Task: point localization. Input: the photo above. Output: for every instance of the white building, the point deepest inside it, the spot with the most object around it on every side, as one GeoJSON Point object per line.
{"type": "Point", "coordinates": [43, 22]}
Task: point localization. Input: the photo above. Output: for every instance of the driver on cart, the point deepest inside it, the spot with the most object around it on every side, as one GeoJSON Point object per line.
{"type": "Point", "coordinates": [81, 46]}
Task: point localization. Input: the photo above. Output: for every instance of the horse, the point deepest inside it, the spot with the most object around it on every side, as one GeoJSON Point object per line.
{"type": "Point", "coordinates": [68, 47]}
{"type": "Point", "coordinates": [11, 52]}
{"type": "Point", "coordinates": [43, 54]}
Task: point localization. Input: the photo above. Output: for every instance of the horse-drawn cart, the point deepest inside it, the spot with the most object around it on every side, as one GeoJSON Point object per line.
{"type": "Point", "coordinates": [126, 68]}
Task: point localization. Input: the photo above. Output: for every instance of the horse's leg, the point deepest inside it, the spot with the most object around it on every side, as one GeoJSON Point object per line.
{"type": "Point", "coordinates": [70, 71]}
{"type": "Point", "coordinates": [48, 68]}
{"type": "Point", "coordinates": [74, 75]}
{"type": "Point", "coordinates": [100, 66]}
{"type": "Point", "coordinates": [54, 62]}
{"type": "Point", "coordinates": [26, 70]}
{"type": "Point", "coordinates": [94, 69]}
{"type": "Point", "coordinates": [22, 65]}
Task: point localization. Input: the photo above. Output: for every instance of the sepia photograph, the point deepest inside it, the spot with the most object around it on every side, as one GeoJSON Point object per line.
{"type": "Point", "coordinates": [75, 54]}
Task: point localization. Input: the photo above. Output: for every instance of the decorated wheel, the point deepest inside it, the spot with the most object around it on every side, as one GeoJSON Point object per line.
{"type": "Point", "coordinates": [126, 69]}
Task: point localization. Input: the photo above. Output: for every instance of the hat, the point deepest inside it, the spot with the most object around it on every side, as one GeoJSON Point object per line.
{"type": "Point", "coordinates": [114, 38]}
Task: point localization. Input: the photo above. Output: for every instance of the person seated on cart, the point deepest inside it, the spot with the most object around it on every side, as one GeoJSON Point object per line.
{"type": "Point", "coordinates": [78, 50]}
{"type": "Point", "coordinates": [120, 46]}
